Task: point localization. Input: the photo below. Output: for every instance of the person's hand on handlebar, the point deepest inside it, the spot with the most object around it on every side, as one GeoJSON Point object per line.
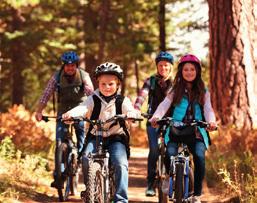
{"type": "Point", "coordinates": [153, 122]}
{"type": "Point", "coordinates": [66, 118]}
{"type": "Point", "coordinates": [134, 114]}
{"type": "Point", "coordinates": [212, 126]}
{"type": "Point", "coordinates": [38, 116]}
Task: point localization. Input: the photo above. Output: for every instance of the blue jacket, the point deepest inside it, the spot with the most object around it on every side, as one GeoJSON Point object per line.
{"type": "Point", "coordinates": [179, 113]}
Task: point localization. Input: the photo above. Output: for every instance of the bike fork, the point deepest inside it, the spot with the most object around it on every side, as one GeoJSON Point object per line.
{"type": "Point", "coordinates": [172, 173]}
{"type": "Point", "coordinates": [186, 178]}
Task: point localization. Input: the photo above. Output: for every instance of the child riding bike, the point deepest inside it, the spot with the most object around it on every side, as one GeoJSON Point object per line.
{"type": "Point", "coordinates": [190, 100]}
{"type": "Point", "coordinates": [72, 85]}
{"type": "Point", "coordinates": [103, 104]}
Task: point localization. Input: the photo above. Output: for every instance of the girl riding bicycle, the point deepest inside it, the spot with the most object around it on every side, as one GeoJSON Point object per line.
{"type": "Point", "coordinates": [190, 100]}
{"type": "Point", "coordinates": [104, 104]}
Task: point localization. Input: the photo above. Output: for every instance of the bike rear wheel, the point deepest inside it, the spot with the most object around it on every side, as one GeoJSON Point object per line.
{"type": "Point", "coordinates": [95, 184]}
{"type": "Point", "coordinates": [179, 182]}
{"type": "Point", "coordinates": [162, 197]}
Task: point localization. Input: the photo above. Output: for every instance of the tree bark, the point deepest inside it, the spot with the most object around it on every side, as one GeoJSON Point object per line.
{"type": "Point", "coordinates": [232, 63]}
{"type": "Point", "coordinates": [90, 56]}
{"type": "Point", "coordinates": [104, 11]}
{"type": "Point", "coordinates": [162, 36]}
{"type": "Point", "coordinates": [18, 60]}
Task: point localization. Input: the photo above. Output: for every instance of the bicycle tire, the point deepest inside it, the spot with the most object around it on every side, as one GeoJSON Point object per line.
{"type": "Point", "coordinates": [112, 187]}
{"type": "Point", "coordinates": [95, 185]}
{"type": "Point", "coordinates": [61, 164]}
{"type": "Point", "coordinates": [73, 174]}
{"type": "Point", "coordinates": [191, 181]}
{"type": "Point", "coordinates": [179, 183]}
{"type": "Point", "coordinates": [162, 198]}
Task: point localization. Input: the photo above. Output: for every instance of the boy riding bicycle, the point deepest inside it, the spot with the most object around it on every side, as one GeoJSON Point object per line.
{"type": "Point", "coordinates": [103, 104]}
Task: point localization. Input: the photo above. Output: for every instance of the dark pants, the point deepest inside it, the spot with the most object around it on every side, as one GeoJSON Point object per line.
{"type": "Point", "coordinates": [153, 154]}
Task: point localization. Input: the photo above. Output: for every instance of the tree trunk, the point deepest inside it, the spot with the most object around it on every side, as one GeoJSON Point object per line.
{"type": "Point", "coordinates": [18, 60]}
{"type": "Point", "coordinates": [104, 10]}
{"type": "Point", "coordinates": [232, 68]}
{"type": "Point", "coordinates": [90, 56]}
{"type": "Point", "coordinates": [162, 31]}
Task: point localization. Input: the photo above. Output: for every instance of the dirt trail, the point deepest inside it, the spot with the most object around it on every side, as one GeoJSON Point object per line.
{"type": "Point", "coordinates": [137, 184]}
{"type": "Point", "coordinates": [137, 180]}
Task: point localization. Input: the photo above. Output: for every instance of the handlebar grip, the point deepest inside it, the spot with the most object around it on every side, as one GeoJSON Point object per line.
{"type": "Point", "coordinates": [146, 115]}
{"type": "Point", "coordinates": [45, 118]}
{"type": "Point", "coordinates": [137, 119]}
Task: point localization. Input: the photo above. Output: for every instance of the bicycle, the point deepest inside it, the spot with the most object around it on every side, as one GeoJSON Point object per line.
{"type": "Point", "coordinates": [160, 169]}
{"type": "Point", "coordinates": [100, 178]}
{"type": "Point", "coordinates": [66, 164]}
{"type": "Point", "coordinates": [181, 176]}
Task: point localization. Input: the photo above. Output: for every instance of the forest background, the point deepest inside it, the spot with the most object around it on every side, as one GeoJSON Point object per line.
{"type": "Point", "coordinates": [34, 34]}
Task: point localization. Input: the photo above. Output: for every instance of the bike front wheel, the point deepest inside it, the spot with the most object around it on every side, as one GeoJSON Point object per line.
{"type": "Point", "coordinates": [162, 197]}
{"type": "Point", "coordinates": [179, 183]}
{"type": "Point", "coordinates": [95, 184]}
{"type": "Point", "coordinates": [67, 177]}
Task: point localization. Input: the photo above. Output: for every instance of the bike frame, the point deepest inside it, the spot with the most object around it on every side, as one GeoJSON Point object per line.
{"type": "Point", "coordinates": [102, 157]}
{"type": "Point", "coordinates": [180, 167]}
{"type": "Point", "coordinates": [68, 168]}
{"type": "Point", "coordinates": [182, 158]}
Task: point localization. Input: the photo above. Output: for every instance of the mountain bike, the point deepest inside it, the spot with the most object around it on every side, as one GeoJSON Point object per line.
{"type": "Point", "coordinates": [100, 185]}
{"type": "Point", "coordinates": [66, 163]}
{"type": "Point", "coordinates": [160, 168]}
{"type": "Point", "coordinates": [181, 176]}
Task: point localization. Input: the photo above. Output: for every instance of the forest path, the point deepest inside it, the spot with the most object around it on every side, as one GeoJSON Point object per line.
{"type": "Point", "coordinates": [137, 184]}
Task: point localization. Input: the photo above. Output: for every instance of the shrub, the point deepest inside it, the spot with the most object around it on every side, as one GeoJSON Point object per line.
{"type": "Point", "coordinates": [26, 134]}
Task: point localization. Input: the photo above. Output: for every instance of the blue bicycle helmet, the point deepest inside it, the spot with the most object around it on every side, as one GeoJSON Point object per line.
{"type": "Point", "coordinates": [70, 57]}
{"type": "Point", "coordinates": [164, 56]}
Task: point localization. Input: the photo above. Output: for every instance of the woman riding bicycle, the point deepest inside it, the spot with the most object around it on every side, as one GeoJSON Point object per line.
{"type": "Point", "coordinates": [190, 100]}
{"type": "Point", "coordinates": [103, 105]}
{"type": "Point", "coordinates": [155, 88]}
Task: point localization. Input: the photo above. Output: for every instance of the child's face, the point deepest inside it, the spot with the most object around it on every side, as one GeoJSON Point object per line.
{"type": "Point", "coordinates": [164, 68]}
{"type": "Point", "coordinates": [108, 84]}
{"type": "Point", "coordinates": [189, 72]}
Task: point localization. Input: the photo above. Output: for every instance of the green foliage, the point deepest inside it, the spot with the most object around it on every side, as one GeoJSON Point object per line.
{"type": "Point", "coordinates": [7, 148]}
{"type": "Point", "coordinates": [33, 35]}
{"type": "Point", "coordinates": [234, 172]}
{"type": "Point", "coordinates": [20, 174]}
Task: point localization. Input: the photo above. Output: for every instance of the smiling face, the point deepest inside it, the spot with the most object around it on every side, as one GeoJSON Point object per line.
{"type": "Point", "coordinates": [164, 68]}
{"type": "Point", "coordinates": [70, 69]}
{"type": "Point", "coordinates": [108, 84]}
{"type": "Point", "coordinates": [189, 72]}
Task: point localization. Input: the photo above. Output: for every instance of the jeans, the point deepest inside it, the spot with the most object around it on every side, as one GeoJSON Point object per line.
{"type": "Point", "coordinates": [198, 151]}
{"type": "Point", "coordinates": [119, 161]}
{"type": "Point", "coordinates": [153, 154]}
{"type": "Point", "coordinates": [62, 129]}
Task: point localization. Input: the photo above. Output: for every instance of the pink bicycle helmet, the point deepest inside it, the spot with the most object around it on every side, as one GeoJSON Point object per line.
{"type": "Point", "coordinates": [189, 58]}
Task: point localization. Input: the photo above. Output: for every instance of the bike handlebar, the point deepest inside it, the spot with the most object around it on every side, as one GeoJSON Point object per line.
{"type": "Point", "coordinates": [168, 121]}
{"type": "Point", "coordinates": [48, 118]}
{"type": "Point", "coordinates": [101, 122]}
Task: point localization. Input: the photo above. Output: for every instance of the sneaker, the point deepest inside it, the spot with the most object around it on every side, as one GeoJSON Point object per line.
{"type": "Point", "coordinates": [196, 199]}
{"type": "Point", "coordinates": [150, 191]}
{"type": "Point", "coordinates": [55, 184]}
{"type": "Point", "coordinates": [83, 194]}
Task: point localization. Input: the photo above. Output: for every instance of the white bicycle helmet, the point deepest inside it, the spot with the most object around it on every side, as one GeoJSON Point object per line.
{"type": "Point", "coordinates": [109, 68]}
